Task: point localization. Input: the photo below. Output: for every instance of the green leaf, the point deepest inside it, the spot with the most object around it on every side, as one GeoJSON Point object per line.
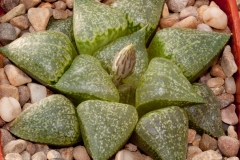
{"type": "Point", "coordinates": [96, 24]}
{"type": "Point", "coordinates": [52, 120]}
{"type": "Point", "coordinates": [86, 79]}
{"type": "Point", "coordinates": [107, 53]}
{"type": "Point", "coordinates": [205, 118]}
{"type": "Point", "coordinates": [140, 13]}
{"type": "Point", "coordinates": [162, 134]}
{"type": "Point", "coordinates": [191, 50]}
{"type": "Point", "coordinates": [45, 55]}
{"type": "Point", "coordinates": [162, 85]}
{"type": "Point", "coordinates": [105, 126]}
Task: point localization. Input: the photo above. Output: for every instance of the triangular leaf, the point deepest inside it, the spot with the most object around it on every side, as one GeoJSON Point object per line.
{"type": "Point", "coordinates": [105, 126]}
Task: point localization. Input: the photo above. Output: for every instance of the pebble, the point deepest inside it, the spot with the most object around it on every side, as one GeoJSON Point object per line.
{"type": "Point", "coordinates": [207, 143]}
{"type": "Point", "coordinates": [225, 100]}
{"type": "Point", "coordinates": [217, 71]}
{"type": "Point", "coordinates": [124, 155]}
{"type": "Point", "coordinates": [37, 92]}
{"type": "Point", "coordinates": [205, 78]}
{"type": "Point", "coordinates": [21, 22]}
{"type": "Point", "coordinates": [215, 82]}
{"type": "Point", "coordinates": [191, 135]}
{"type": "Point", "coordinates": [6, 137]}
{"type": "Point", "coordinates": [188, 11]}
{"type": "Point", "coordinates": [233, 158]}
{"type": "Point", "coordinates": [213, 4]}
{"type": "Point", "coordinates": [16, 11]}
{"type": "Point", "coordinates": [7, 33]}
{"type": "Point", "coordinates": [131, 147]}
{"type": "Point", "coordinates": [196, 140]}
{"type": "Point", "coordinates": [53, 154]}
{"type": "Point", "coordinates": [39, 18]}
{"type": "Point", "coordinates": [18, 31]}
{"type": "Point", "coordinates": [177, 5]}
{"type": "Point", "coordinates": [137, 155]}
{"type": "Point", "coordinates": [59, 14]}
{"type": "Point", "coordinates": [26, 105]}
{"type": "Point", "coordinates": [3, 77]}
{"type": "Point", "coordinates": [215, 18]}
{"type": "Point", "coordinates": [69, 12]}
{"type": "Point", "coordinates": [2, 122]}
{"type": "Point", "coordinates": [10, 108]}
{"type": "Point", "coordinates": [13, 156]}
{"type": "Point", "coordinates": [189, 22]}
{"type": "Point", "coordinates": [80, 153]}
{"type": "Point", "coordinates": [191, 2]}
{"type": "Point", "coordinates": [69, 3]}
{"type": "Point", "coordinates": [226, 30]}
{"type": "Point", "coordinates": [7, 5]}
{"type": "Point", "coordinates": [228, 146]}
{"type": "Point", "coordinates": [25, 155]}
{"type": "Point", "coordinates": [231, 132]}
{"type": "Point", "coordinates": [204, 27]}
{"type": "Point", "coordinates": [9, 91]}
{"type": "Point", "coordinates": [39, 156]}
{"type": "Point", "coordinates": [30, 3]}
{"type": "Point", "coordinates": [24, 94]}
{"type": "Point", "coordinates": [208, 155]}
{"type": "Point", "coordinates": [66, 153]}
{"type": "Point", "coordinates": [45, 5]}
{"type": "Point", "coordinates": [16, 76]}
{"type": "Point", "coordinates": [15, 146]}
{"type": "Point", "coordinates": [230, 85]}
{"type": "Point", "coordinates": [199, 3]}
{"type": "Point", "coordinates": [31, 148]}
{"type": "Point", "coordinates": [200, 11]}
{"type": "Point", "coordinates": [2, 59]}
{"type": "Point", "coordinates": [60, 5]}
{"type": "Point", "coordinates": [228, 115]}
{"type": "Point", "coordinates": [228, 63]}
{"type": "Point", "coordinates": [41, 148]}
{"type": "Point", "coordinates": [193, 151]}
{"type": "Point", "coordinates": [165, 11]}
{"type": "Point", "coordinates": [169, 21]}
{"type": "Point", "coordinates": [218, 90]}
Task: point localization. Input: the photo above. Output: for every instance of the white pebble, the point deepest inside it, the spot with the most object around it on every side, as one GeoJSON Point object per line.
{"type": "Point", "coordinates": [53, 154]}
{"type": "Point", "coordinates": [10, 108]}
{"type": "Point", "coordinates": [215, 18]}
{"type": "Point", "coordinates": [37, 92]}
{"type": "Point", "coordinates": [204, 27]}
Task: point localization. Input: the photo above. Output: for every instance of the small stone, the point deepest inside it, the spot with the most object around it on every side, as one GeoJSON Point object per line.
{"type": "Point", "coordinates": [60, 5]}
{"type": "Point", "coordinates": [50, 0]}
{"type": "Point", "coordinates": [45, 5]}
{"type": "Point", "coordinates": [30, 3]}
{"type": "Point", "coordinates": [41, 148]}
{"type": "Point", "coordinates": [193, 151]}
{"type": "Point", "coordinates": [191, 135]}
{"type": "Point", "coordinates": [7, 5]}
{"type": "Point", "coordinates": [189, 22]}
{"type": "Point", "coordinates": [2, 59]}
{"type": "Point", "coordinates": [18, 31]}
{"type": "Point", "coordinates": [189, 11]}
{"type": "Point", "coordinates": [217, 71]}
{"type": "Point", "coordinates": [2, 122]}
{"type": "Point", "coordinates": [69, 3]}
{"type": "Point", "coordinates": [215, 82]}
{"type": "Point", "coordinates": [10, 108]}
{"type": "Point", "coordinates": [137, 155]}
{"type": "Point", "coordinates": [52, 154]}
{"type": "Point", "coordinates": [169, 21]}
{"type": "Point", "coordinates": [230, 85]}
{"type": "Point", "coordinates": [69, 13]}
{"type": "Point", "coordinates": [205, 78]}
{"type": "Point", "coordinates": [39, 18]}
{"type": "Point", "coordinates": [31, 29]}
{"type": "Point", "coordinates": [229, 115]}
{"type": "Point", "coordinates": [225, 99]}
{"type": "Point", "coordinates": [233, 158]}
{"type": "Point", "coordinates": [15, 146]}
{"type": "Point", "coordinates": [213, 4]}
{"type": "Point", "coordinates": [24, 94]}
{"type": "Point", "coordinates": [25, 155]}
{"type": "Point", "coordinates": [3, 77]}
{"type": "Point", "coordinates": [228, 63]}
{"type": "Point", "coordinates": [7, 33]}
{"type": "Point", "coordinates": [31, 148]}
{"type": "Point", "coordinates": [146, 157]}
{"type": "Point", "coordinates": [124, 155]}
{"type": "Point", "coordinates": [16, 11]}
{"type": "Point", "coordinates": [200, 11]}
{"type": "Point", "coordinates": [231, 132]}
{"type": "Point", "coordinates": [215, 18]}
{"type": "Point", "coordinates": [228, 146]}
{"type": "Point", "coordinates": [15, 76]}
{"type": "Point", "coordinates": [200, 3]}
{"type": "Point", "coordinates": [37, 92]}
{"type": "Point", "coordinates": [165, 11]}
{"type": "Point", "coordinates": [204, 27]}
{"type": "Point", "coordinates": [131, 147]}
{"type": "Point", "coordinates": [218, 90]}
{"type": "Point", "coordinates": [177, 5]}
{"type": "Point", "coordinates": [6, 137]}
{"type": "Point", "coordinates": [59, 14]}
{"type": "Point", "coordinates": [39, 156]}
{"type": "Point", "coordinates": [13, 156]}
{"type": "Point", "coordinates": [66, 153]}
{"type": "Point", "coordinates": [9, 91]}
{"type": "Point", "coordinates": [208, 155]}
{"type": "Point", "coordinates": [26, 105]}
{"type": "Point", "coordinates": [207, 143]}
{"type": "Point", "coordinates": [191, 2]}
{"type": "Point", "coordinates": [196, 140]}
{"type": "Point", "coordinates": [80, 153]}
{"type": "Point", "coordinates": [20, 21]}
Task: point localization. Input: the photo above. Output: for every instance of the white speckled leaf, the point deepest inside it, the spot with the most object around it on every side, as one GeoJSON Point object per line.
{"type": "Point", "coordinates": [205, 118]}
{"type": "Point", "coordinates": [162, 134]}
{"type": "Point", "coordinates": [107, 53]}
{"type": "Point", "coordinates": [105, 126]}
{"type": "Point", "coordinates": [140, 13]}
{"type": "Point", "coordinates": [86, 79]}
{"type": "Point", "coordinates": [43, 55]}
{"type": "Point", "coordinates": [96, 24]}
{"type": "Point", "coordinates": [162, 85]}
{"type": "Point", "coordinates": [191, 50]}
{"type": "Point", "coordinates": [52, 120]}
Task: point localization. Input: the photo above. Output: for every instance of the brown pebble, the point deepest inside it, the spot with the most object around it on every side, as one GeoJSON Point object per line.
{"type": "Point", "coordinates": [66, 153]}
{"type": "Point", "coordinates": [169, 21]}
{"type": "Point", "coordinates": [7, 5]}
{"type": "Point", "coordinates": [191, 135]}
{"type": "Point", "coordinates": [217, 71]}
{"type": "Point", "coordinates": [207, 143]}
{"type": "Point", "coordinates": [9, 91]}
{"type": "Point", "coordinates": [193, 151]}
{"type": "Point", "coordinates": [215, 82]}
{"type": "Point", "coordinates": [228, 146]}
{"type": "Point", "coordinates": [225, 99]}
{"type": "Point", "coordinates": [59, 14]}
{"type": "Point", "coordinates": [80, 153]}
{"type": "Point", "coordinates": [228, 115]}
{"type": "Point", "coordinates": [20, 22]}
{"type": "Point", "coordinates": [24, 94]}
{"type": "Point", "coordinates": [6, 137]}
